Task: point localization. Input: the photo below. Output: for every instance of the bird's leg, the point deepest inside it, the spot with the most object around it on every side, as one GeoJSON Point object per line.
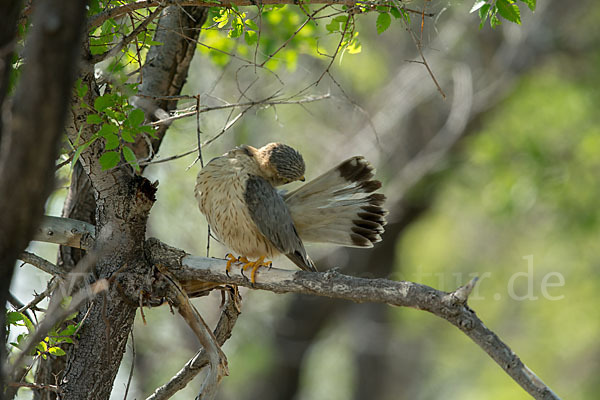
{"type": "Point", "coordinates": [255, 265]}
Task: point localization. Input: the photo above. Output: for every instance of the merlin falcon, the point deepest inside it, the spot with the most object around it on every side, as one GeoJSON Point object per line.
{"type": "Point", "coordinates": [237, 194]}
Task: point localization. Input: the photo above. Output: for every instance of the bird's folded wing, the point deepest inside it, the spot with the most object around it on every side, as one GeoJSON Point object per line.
{"type": "Point", "coordinates": [272, 217]}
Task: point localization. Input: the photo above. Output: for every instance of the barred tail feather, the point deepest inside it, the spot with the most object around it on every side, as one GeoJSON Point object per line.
{"type": "Point", "coordinates": [339, 206]}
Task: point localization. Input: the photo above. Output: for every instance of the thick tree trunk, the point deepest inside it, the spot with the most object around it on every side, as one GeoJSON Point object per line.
{"type": "Point", "coordinates": [32, 126]}
{"type": "Point", "coordinates": [120, 202]}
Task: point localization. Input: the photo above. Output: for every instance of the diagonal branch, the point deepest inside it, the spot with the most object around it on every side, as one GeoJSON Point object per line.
{"type": "Point", "coordinates": [195, 274]}
{"type": "Point", "coordinates": [449, 306]}
{"type": "Point", "coordinates": [222, 332]}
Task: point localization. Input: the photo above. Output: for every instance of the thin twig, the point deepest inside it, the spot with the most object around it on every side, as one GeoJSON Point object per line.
{"type": "Point", "coordinates": [264, 102]}
{"type": "Point", "coordinates": [132, 365]}
{"type": "Point", "coordinates": [38, 386]}
{"type": "Point", "coordinates": [40, 263]}
{"type": "Point", "coordinates": [216, 357]}
{"type": "Point", "coordinates": [419, 49]}
{"type": "Point", "coordinates": [53, 284]}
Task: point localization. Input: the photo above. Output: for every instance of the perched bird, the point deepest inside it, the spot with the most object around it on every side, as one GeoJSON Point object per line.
{"type": "Point", "coordinates": [237, 194]}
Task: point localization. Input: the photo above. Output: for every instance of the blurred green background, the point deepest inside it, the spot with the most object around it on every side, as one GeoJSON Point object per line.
{"type": "Point", "coordinates": [499, 180]}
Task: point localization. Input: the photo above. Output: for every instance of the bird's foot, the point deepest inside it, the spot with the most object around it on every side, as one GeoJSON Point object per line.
{"type": "Point", "coordinates": [254, 266]}
{"type": "Point", "coordinates": [230, 260]}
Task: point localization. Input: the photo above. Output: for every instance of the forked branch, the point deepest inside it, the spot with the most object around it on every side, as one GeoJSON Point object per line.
{"type": "Point", "coordinates": [195, 274]}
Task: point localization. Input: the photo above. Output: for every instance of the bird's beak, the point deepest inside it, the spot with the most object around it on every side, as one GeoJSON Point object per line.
{"type": "Point", "coordinates": [302, 178]}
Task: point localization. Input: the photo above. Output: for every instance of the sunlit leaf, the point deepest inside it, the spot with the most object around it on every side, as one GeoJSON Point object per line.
{"type": "Point", "coordinates": [383, 22]}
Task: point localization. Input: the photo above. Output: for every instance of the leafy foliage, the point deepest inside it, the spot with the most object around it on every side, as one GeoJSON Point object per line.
{"type": "Point", "coordinates": [50, 346]}
{"type": "Point", "coordinates": [119, 124]}
{"type": "Point", "coordinates": [494, 9]}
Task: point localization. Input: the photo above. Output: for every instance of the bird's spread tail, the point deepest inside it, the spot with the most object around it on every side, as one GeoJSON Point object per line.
{"type": "Point", "coordinates": [339, 206]}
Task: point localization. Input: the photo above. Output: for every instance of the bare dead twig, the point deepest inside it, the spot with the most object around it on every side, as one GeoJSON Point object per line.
{"type": "Point", "coordinates": [52, 388]}
{"type": "Point", "coordinates": [270, 101]}
{"type": "Point", "coordinates": [222, 332]}
{"type": "Point", "coordinates": [132, 365]}
{"type": "Point", "coordinates": [418, 45]}
{"type": "Point", "coordinates": [217, 361]}
{"type": "Point", "coordinates": [53, 284]}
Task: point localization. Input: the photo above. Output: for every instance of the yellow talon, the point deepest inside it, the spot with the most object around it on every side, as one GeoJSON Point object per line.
{"type": "Point", "coordinates": [255, 265]}
{"type": "Point", "coordinates": [230, 260]}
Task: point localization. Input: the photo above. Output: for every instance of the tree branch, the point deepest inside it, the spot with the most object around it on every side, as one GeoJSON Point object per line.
{"type": "Point", "coordinates": [222, 332]}
{"type": "Point", "coordinates": [119, 11]}
{"type": "Point", "coordinates": [449, 306]}
{"type": "Point", "coordinates": [67, 232]}
{"type": "Point", "coordinates": [40, 263]}
{"type": "Point", "coordinates": [195, 274]}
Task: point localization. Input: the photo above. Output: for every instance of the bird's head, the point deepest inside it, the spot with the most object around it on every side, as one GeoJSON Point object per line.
{"type": "Point", "coordinates": [279, 163]}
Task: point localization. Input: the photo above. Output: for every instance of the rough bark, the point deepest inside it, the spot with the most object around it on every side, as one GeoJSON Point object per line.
{"type": "Point", "coordinates": [166, 69]}
{"type": "Point", "coordinates": [35, 120]}
{"type": "Point", "coordinates": [9, 10]}
{"type": "Point", "coordinates": [118, 203]}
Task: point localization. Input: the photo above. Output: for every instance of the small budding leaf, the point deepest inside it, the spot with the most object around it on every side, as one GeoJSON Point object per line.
{"type": "Point", "coordinates": [383, 22]}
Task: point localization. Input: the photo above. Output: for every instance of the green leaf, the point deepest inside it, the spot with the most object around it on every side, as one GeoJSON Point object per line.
{"type": "Point", "coordinates": [42, 346]}
{"type": "Point", "coordinates": [13, 317]}
{"type": "Point", "coordinates": [112, 142]}
{"type": "Point", "coordinates": [130, 157]}
{"type": "Point", "coordinates": [149, 130]}
{"type": "Point", "coordinates": [509, 10]}
{"type": "Point", "coordinates": [251, 24]}
{"type": "Point", "coordinates": [136, 117]}
{"type": "Point", "coordinates": [56, 351]}
{"type": "Point", "coordinates": [103, 102]}
{"type": "Point", "coordinates": [94, 119]}
{"type": "Point", "coordinates": [250, 37]}
{"type": "Point", "coordinates": [128, 135]}
{"type": "Point", "coordinates": [383, 22]}
{"type": "Point", "coordinates": [395, 12]}
{"type": "Point", "coordinates": [484, 14]}
{"type": "Point", "coordinates": [237, 27]}
{"type": "Point", "coordinates": [107, 130]}
{"type": "Point", "coordinates": [68, 331]}
{"type": "Point", "coordinates": [81, 89]}
{"type": "Point", "coordinates": [28, 324]}
{"type": "Point", "coordinates": [333, 26]}
{"type": "Point", "coordinates": [530, 3]}
{"type": "Point", "coordinates": [494, 21]}
{"type": "Point", "coordinates": [478, 4]}
{"type": "Point", "coordinates": [79, 150]}
{"type": "Point", "coordinates": [109, 160]}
